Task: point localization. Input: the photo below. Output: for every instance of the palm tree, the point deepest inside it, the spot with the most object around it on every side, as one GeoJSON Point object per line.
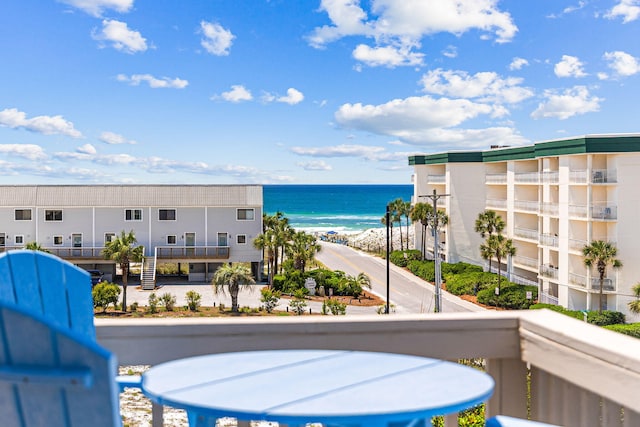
{"type": "Point", "coordinates": [601, 254]}
{"type": "Point", "coordinates": [487, 224]}
{"type": "Point", "coordinates": [634, 306]}
{"type": "Point", "coordinates": [235, 277]}
{"type": "Point", "coordinates": [420, 214]}
{"type": "Point", "coordinates": [499, 247]}
{"type": "Point", "coordinates": [35, 246]}
{"type": "Point", "coordinates": [302, 249]}
{"type": "Point", "coordinates": [266, 242]}
{"type": "Point", "coordinates": [383, 220]}
{"type": "Point", "coordinates": [123, 251]}
{"type": "Point", "coordinates": [397, 210]}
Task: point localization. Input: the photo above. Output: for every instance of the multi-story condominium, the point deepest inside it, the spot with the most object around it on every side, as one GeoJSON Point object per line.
{"type": "Point", "coordinates": [556, 197]}
{"type": "Point", "coordinates": [202, 225]}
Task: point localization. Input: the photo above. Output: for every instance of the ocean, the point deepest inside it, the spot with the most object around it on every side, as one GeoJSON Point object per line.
{"type": "Point", "coordinates": [339, 208]}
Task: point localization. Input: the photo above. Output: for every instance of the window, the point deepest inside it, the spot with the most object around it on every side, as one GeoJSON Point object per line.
{"type": "Point", "coordinates": [246, 215]}
{"type": "Point", "coordinates": [53, 215]}
{"type": "Point", "coordinates": [23, 214]}
{"type": "Point", "coordinates": [241, 239]}
{"type": "Point", "coordinates": [58, 240]}
{"type": "Point", "coordinates": [172, 240]}
{"type": "Point", "coordinates": [109, 237]}
{"type": "Point", "coordinates": [19, 239]}
{"type": "Point", "coordinates": [167, 214]}
{"type": "Point", "coordinates": [133, 214]}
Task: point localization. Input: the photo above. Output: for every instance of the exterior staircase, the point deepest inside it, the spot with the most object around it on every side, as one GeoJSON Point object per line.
{"type": "Point", "coordinates": [148, 275]}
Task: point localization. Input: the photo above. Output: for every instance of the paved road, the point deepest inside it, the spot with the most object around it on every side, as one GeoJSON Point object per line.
{"type": "Point", "coordinates": [408, 293]}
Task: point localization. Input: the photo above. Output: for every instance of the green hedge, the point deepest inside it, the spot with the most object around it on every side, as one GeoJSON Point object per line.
{"type": "Point", "coordinates": [632, 329]}
{"type": "Point", "coordinates": [512, 296]}
{"type": "Point", "coordinates": [402, 258]}
{"type": "Point", "coordinates": [470, 283]}
{"type": "Point", "coordinates": [607, 317]}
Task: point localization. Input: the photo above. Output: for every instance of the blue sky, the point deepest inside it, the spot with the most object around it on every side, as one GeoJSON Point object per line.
{"type": "Point", "coordinates": [301, 91]}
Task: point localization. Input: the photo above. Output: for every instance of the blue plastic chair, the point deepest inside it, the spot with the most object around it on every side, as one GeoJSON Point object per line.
{"type": "Point", "coordinates": [504, 421]}
{"type": "Point", "coordinates": [51, 376]}
{"type": "Point", "coordinates": [54, 288]}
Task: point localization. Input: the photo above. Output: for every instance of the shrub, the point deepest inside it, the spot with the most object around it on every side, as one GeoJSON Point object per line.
{"type": "Point", "coordinates": [402, 258]}
{"type": "Point", "coordinates": [134, 306]}
{"type": "Point", "coordinates": [298, 304]}
{"type": "Point", "coordinates": [193, 300]}
{"type": "Point", "coordinates": [105, 293]}
{"type": "Point", "coordinates": [512, 296]}
{"type": "Point", "coordinates": [460, 268]}
{"type": "Point", "coordinates": [470, 282]}
{"type": "Point", "coordinates": [632, 329]}
{"type": "Point", "coordinates": [423, 269]}
{"type": "Point", "coordinates": [269, 299]}
{"type": "Point", "coordinates": [153, 303]}
{"type": "Point", "coordinates": [334, 307]}
{"type": "Point", "coordinates": [168, 301]}
{"type": "Point", "coordinates": [605, 318]}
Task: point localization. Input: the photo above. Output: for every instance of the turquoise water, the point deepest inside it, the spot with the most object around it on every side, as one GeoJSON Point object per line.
{"type": "Point", "coordinates": [322, 208]}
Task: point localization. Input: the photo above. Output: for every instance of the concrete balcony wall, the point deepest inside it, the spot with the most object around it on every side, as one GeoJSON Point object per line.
{"type": "Point", "coordinates": [581, 375]}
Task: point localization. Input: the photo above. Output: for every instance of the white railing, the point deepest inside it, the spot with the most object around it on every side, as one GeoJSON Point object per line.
{"type": "Point", "coordinates": [577, 244]}
{"type": "Point", "coordinates": [550, 177]}
{"type": "Point", "coordinates": [578, 279]}
{"type": "Point", "coordinates": [527, 205]}
{"type": "Point", "coordinates": [603, 176]}
{"type": "Point", "coordinates": [527, 177]}
{"type": "Point", "coordinates": [525, 261]}
{"type": "Point", "coordinates": [525, 233]}
{"type": "Point", "coordinates": [578, 177]}
{"type": "Point", "coordinates": [549, 209]}
{"type": "Point", "coordinates": [546, 298]}
{"type": "Point", "coordinates": [547, 239]}
{"type": "Point", "coordinates": [216, 252]}
{"type": "Point", "coordinates": [578, 211]}
{"type": "Point", "coordinates": [496, 203]}
{"type": "Point", "coordinates": [519, 280]}
{"type": "Point", "coordinates": [548, 270]}
{"type": "Point", "coordinates": [604, 211]}
{"type": "Point", "coordinates": [495, 178]}
{"type": "Point", "coordinates": [608, 284]}
{"type": "Point", "coordinates": [436, 179]}
{"type": "Point", "coordinates": [558, 369]}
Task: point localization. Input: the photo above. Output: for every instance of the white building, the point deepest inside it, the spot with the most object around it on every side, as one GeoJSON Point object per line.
{"type": "Point", "coordinates": [556, 197]}
{"type": "Point", "coordinates": [202, 225]}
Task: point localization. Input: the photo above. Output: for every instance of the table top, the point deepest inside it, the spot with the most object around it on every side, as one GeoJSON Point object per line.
{"type": "Point", "coordinates": [326, 386]}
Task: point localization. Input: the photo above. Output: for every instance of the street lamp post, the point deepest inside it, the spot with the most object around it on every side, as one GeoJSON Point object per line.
{"type": "Point", "coordinates": [435, 223]}
{"type": "Point", "coordinates": [387, 219]}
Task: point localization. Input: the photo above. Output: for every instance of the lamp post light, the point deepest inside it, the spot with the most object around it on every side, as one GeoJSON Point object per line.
{"type": "Point", "coordinates": [387, 219]}
{"type": "Point", "coordinates": [435, 224]}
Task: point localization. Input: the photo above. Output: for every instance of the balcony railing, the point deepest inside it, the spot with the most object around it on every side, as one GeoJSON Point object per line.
{"type": "Point", "coordinates": [608, 284]}
{"type": "Point", "coordinates": [603, 176]}
{"type": "Point", "coordinates": [525, 233]}
{"type": "Point", "coordinates": [215, 252]}
{"type": "Point", "coordinates": [548, 270]}
{"type": "Point", "coordinates": [550, 177]}
{"type": "Point", "coordinates": [436, 179]}
{"type": "Point", "coordinates": [497, 203]}
{"type": "Point", "coordinates": [525, 261]}
{"type": "Point", "coordinates": [604, 211]}
{"type": "Point", "coordinates": [549, 209]}
{"type": "Point", "coordinates": [82, 252]}
{"type": "Point", "coordinates": [546, 298]}
{"type": "Point", "coordinates": [577, 244]}
{"type": "Point", "coordinates": [547, 239]}
{"type": "Point", "coordinates": [578, 177]}
{"type": "Point", "coordinates": [527, 178]}
{"type": "Point", "coordinates": [495, 178]}
{"type": "Point", "coordinates": [527, 205]}
{"type": "Point", "coordinates": [555, 368]}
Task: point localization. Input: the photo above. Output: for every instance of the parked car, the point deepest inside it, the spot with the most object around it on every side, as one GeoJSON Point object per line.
{"type": "Point", "coordinates": [96, 277]}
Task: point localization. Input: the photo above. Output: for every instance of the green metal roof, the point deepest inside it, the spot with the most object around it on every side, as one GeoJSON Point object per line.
{"type": "Point", "coordinates": [580, 145]}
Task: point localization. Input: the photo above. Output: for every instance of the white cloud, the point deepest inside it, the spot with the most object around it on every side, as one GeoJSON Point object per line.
{"type": "Point", "coordinates": [406, 22]}
{"type": "Point", "coordinates": [318, 165]}
{"type": "Point", "coordinates": [629, 10]}
{"type": "Point", "coordinates": [622, 63]}
{"type": "Point", "coordinates": [115, 139]}
{"type": "Point", "coordinates": [96, 7]}
{"type": "Point", "coordinates": [344, 150]}
{"type": "Point", "coordinates": [238, 93]}
{"type": "Point", "coordinates": [569, 66]}
{"type": "Point", "coordinates": [423, 121]}
{"type": "Point", "coordinates": [389, 56]}
{"type": "Point", "coordinates": [569, 103]}
{"type": "Point", "coordinates": [518, 63]}
{"type": "Point", "coordinates": [87, 149]}
{"type": "Point", "coordinates": [450, 52]}
{"type": "Point", "coordinates": [26, 151]}
{"type": "Point", "coordinates": [569, 9]}
{"type": "Point", "coordinates": [486, 86]}
{"type": "Point", "coordinates": [153, 82]}
{"type": "Point", "coordinates": [217, 40]}
{"type": "Point", "coordinates": [47, 125]}
{"type": "Point", "coordinates": [121, 37]}
{"type": "Point", "coordinates": [293, 97]}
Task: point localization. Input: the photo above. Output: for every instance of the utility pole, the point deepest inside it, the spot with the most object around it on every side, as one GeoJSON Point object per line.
{"type": "Point", "coordinates": [387, 220]}
{"type": "Point", "coordinates": [435, 224]}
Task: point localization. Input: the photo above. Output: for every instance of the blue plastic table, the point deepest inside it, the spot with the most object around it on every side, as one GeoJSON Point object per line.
{"type": "Point", "coordinates": [295, 387]}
